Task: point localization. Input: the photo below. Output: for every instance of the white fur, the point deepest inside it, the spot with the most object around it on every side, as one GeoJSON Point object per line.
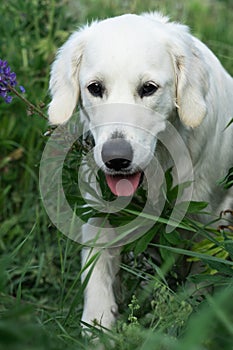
{"type": "Point", "coordinates": [195, 94]}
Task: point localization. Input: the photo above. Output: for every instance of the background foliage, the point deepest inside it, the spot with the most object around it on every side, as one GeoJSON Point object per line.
{"type": "Point", "coordinates": [40, 291]}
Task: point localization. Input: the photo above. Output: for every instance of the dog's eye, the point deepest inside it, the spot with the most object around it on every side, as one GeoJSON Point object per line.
{"type": "Point", "coordinates": [96, 89]}
{"type": "Point", "coordinates": [148, 89]}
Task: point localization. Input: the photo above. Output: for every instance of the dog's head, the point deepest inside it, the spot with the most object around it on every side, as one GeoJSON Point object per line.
{"type": "Point", "coordinates": [131, 74]}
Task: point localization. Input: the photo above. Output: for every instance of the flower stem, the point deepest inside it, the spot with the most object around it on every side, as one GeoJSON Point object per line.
{"type": "Point", "coordinates": [32, 107]}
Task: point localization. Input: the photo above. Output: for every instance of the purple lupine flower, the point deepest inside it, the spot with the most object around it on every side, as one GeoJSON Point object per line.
{"type": "Point", "coordinates": [22, 89]}
{"type": "Point", "coordinates": [7, 80]}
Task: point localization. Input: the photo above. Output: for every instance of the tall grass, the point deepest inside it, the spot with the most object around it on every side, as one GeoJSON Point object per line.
{"type": "Point", "coordinates": [40, 289]}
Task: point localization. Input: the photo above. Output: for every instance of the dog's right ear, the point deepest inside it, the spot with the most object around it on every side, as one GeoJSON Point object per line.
{"type": "Point", "coordinates": [64, 82]}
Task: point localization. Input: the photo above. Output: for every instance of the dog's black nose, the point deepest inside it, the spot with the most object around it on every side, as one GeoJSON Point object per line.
{"type": "Point", "coordinates": [117, 154]}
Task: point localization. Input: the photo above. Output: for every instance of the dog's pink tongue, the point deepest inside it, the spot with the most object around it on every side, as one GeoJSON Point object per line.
{"type": "Point", "coordinates": [123, 185]}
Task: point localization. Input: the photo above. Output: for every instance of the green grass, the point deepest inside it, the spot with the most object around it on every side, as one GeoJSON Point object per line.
{"type": "Point", "coordinates": [40, 289]}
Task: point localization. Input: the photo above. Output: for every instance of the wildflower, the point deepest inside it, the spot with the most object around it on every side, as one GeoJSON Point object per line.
{"type": "Point", "coordinates": [8, 84]}
{"type": "Point", "coordinates": [7, 81]}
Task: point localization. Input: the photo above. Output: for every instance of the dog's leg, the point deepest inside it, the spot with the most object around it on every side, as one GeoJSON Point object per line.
{"type": "Point", "coordinates": [100, 307]}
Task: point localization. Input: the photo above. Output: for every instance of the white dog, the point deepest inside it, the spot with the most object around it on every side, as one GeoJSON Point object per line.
{"type": "Point", "coordinates": [146, 63]}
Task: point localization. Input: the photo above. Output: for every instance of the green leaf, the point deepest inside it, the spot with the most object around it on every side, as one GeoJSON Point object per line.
{"type": "Point", "coordinates": [228, 245]}
{"type": "Point", "coordinates": [207, 278]}
{"type": "Point", "coordinates": [143, 242]}
{"type": "Point", "coordinates": [230, 122]}
{"type": "Point", "coordinates": [227, 181]}
{"type": "Point", "coordinates": [197, 255]}
{"type": "Point", "coordinates": [173, 237]}
{"type": "Point", "coordinates": [169, 179]}
{"type": "Point", "coordinates": [166, 254]}
{"type": "Point", "coordinates": [220, 267]}
{"type": "Point", "coordinates": [195, 207]}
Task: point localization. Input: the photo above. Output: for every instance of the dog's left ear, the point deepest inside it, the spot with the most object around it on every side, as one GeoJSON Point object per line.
{"type": "Point", "coordinates": [192, 81]}
{"type": "Point", "coordinates": [64, 82]}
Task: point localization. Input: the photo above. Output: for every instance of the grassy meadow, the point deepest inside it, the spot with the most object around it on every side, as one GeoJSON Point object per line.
{"type": "Point", "coordinates": [41, 296]}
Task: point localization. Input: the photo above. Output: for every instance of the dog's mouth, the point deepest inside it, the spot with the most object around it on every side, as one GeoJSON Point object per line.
{"type": "Point", "coordinates": [124, 185]}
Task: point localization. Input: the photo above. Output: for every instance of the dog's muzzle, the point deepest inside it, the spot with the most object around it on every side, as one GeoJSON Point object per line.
{"type": "Point", "coordinates": [117, 155]}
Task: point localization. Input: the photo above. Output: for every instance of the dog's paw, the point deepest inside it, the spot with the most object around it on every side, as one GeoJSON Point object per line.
{"type": "Point", "coordinates": [103, 319]}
